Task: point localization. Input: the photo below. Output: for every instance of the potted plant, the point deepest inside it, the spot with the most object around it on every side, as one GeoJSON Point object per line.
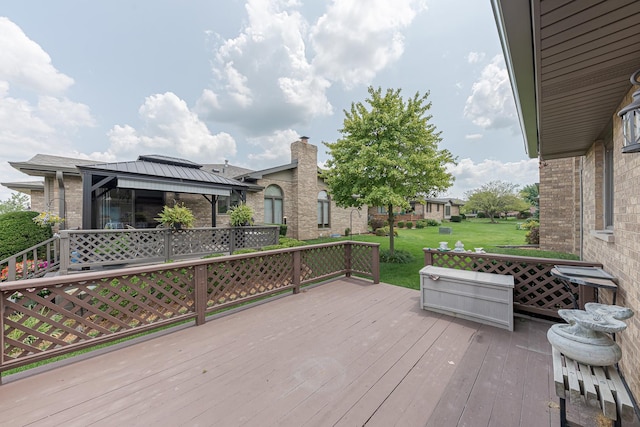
{"type": "Point", "coordinates": [241, 215]}
{"type": "Point", "coordinates": [176, 217]}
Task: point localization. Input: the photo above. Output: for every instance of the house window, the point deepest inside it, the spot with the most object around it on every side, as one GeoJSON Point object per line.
{"type": "Point", "coordinates": [273, 205]}
{"type": "Point", "coordinates": [226, 202]}
{"type": "Point", "coordinates": [608, 185]}
{"type": "Point", "coordinates": [429, 205]}
{"type": "Point", "coordinates": [381, 210]}
{"type": "Point", "coordinates": [447, 210]}
{"type": "Point", "coordinates": [323, 209]}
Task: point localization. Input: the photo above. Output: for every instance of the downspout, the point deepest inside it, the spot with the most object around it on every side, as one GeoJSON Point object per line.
{"type": "Point", "coordinates": [581, 234]}
{"type": "Point", "coordinates": [61, 198]}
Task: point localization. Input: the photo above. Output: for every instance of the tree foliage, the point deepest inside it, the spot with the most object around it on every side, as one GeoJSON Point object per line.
{"type": "Point", "coordinates": [531, 194]}
{"type": "Point", "coordinates": [494, 198]}
{"type": "Point", "coordinates": [15, 203]}
{"type": "Point", "coordinates": [388, 154]}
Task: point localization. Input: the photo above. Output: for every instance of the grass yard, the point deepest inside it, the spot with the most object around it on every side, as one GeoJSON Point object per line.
{"type": "Point", "coordinates": [476, 233]}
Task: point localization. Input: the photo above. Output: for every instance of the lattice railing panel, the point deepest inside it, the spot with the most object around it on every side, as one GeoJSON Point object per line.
{"type": "Point", "coordinates": [534, 286]}
{"type": "Point", "coordinates": [235, 280]}
{"type": "Point", "coordinates": [361, 260]}
{"type": "Point", "coordinates": [46, 319]}
{"type": "Point", "coordinates": [199, 241]}
{"type": "Point", "coordinates": [322, 261]}
{"type": "Point", "coordinates": [115, 246]}
{"type": "Point", "coordinates": [255, 237]}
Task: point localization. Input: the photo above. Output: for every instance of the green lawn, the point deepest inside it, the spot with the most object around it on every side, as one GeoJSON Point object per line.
{"type": "Point", "coordinates": [477, 233]}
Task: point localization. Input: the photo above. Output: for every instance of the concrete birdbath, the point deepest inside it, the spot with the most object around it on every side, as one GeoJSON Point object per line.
{"type": "Point", "coordinates": [586, 337]}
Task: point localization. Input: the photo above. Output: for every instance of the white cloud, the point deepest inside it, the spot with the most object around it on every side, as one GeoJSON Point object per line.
{"type": "Point", "coordinates": [23, 62]}
{"type": "Point", "coordinates": [470, 175]}
{"type": "Point", "coordinates": [169, 127]}
{"type": "Point", "coordinates": [475, 57]}
{"type": "Point", "coordinates": [491, 104]}
{"type": "Point", "coordinates": [473, 136]}
{"type": "Point", "coordinates": [276, 72]}
{"type": "Point", "coordinates": [354, 40]}
{"type": "Point", "coordinates": [274, 149]}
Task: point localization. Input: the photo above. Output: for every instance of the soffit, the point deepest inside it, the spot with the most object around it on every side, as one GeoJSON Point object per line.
{"type": "Point", "coordinates": [583, 53]}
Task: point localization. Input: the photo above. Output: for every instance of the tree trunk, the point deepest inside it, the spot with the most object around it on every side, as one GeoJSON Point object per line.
{"type": "Point", "coordinates": [390, 220]}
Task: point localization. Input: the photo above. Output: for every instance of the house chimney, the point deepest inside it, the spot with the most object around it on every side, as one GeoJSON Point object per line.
{"type": "Point", "coordinates": [304, 139]}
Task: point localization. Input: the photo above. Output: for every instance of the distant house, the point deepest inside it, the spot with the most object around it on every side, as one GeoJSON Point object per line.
{"type": "Point", "coordinates": [439, 209]}
{"type": "Point", "coordinates": [570, 65]}
{"type": "Point", "coordinates": [93, 195]}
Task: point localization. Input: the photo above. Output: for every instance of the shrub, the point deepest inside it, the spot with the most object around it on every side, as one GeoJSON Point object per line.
{"type": "Point", "coordinates": [529, 224]}
{"type": "Point", "coordinates": [376, 223]}
{"type": "Point", "coordinates": [347, 231]}
{"type": "Point", "coordinates": [245, 251]}
{"type": "Point", "coordinates": [398, 257]}
{"type": "Point", "coordinates": [400, 224]}
{"type": "Point", "coordinates": [288, 242]}
{"type": "Point", "coordinates": [18, 232]}
{"type": "Point", "coordinates": [241, 215]}
{"type": "Point", "coordinates": [481, 215]}
{"type": "Point", "coordinates": [409, 225]}
{"type": "Point", "coordinates": [433, 222]}
{"type": "Point", "coordinates": [283, 229]}
{"type": "Point", "coordinates": [421, 223]}
{"type": "Point", "coordinates": [463, 216]}
{"type": "Point", "coordinates": [456, 218]}
{"type": "Point", "coordinates": [384, 231]}
{"type": "Point", "coordinates": [533, 236]}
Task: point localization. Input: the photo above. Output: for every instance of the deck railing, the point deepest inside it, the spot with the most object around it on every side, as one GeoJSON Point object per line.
{"type": "Point", "coordinates": [51, 316]}
{"type": "Point", "coordinates": [35, 261]}
{"type": "Point", "coordinates": [83, 249]}
{"type": "Point", "coordinates": [535, 290]}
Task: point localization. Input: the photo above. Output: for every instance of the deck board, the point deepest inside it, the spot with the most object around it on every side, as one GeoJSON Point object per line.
{"type": "Point", "coordinates": [345, 353]}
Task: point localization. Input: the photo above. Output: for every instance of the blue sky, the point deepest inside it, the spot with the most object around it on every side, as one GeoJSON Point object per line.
{"type": "Point", "coordinates": [241, 80]}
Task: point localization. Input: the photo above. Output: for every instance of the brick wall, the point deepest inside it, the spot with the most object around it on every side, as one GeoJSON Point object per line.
{"type": "Point", "coordinates": [560, 205]}
{"type": "Point", "coordinates": [620, 257]}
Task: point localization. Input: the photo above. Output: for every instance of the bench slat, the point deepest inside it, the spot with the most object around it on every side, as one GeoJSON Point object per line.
{"type": "Point", "coordinates": [625, 406]}
{"type": "Point", "coordinates": [607, 402]}
{"type": "Point", "coordinates": [572, 375]}
{"type": "Point", "coordinates": [590, 394]}
{"type": "Point", "coordinates": [558, 374]}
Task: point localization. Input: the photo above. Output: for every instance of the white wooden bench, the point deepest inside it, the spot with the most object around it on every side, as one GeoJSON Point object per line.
{"type": "Point", "coordinates": [597, 386]}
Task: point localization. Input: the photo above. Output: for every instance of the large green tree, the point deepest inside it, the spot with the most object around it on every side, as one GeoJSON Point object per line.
{"type": "Point", "coordinates": [388, 154]}
{"type": "Point", "coordinates": [493, 198]}
{"type": "Point", "coordinates": [15, 203]}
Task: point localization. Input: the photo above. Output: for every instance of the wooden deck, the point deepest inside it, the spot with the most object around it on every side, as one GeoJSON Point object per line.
{"type": "Point", "coordinates": [346, 353]}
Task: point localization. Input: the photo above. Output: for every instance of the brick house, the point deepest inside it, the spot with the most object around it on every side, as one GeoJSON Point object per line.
{"type": "Point", "coordinates": [569, 66]}
{"type": "Point", "coordinates": [88, 194]}
{"type": "Point", "coordinates": [439, 209]}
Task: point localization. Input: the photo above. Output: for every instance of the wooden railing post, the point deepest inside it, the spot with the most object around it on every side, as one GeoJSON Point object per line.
{"type": "Point", "coordinates": [200, 294]}
{"type": "Point", "coordinates": [375, 263]}
{"type": "Point", "coordinates": [167, 244]}
{"type": "Point", "coordinates": [297, 271]}
{"type": "Point", "coordinates": [428, 257]}
{"type": "Point", "coordinates": [2, 314]}
{"type": "Point", "coordinates": [232, 239]}
{"type": "Point", "coordinates": [347, 258]}
{"type": "Point", "coordinates": [65, 254]}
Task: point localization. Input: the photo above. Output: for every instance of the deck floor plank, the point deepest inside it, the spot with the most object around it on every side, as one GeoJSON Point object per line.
{"type": "Point", "coordinates": [344, 353]}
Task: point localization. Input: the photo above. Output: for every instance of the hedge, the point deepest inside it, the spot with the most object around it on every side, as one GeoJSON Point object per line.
{"type": "Point", "coordinates": [18, 232]}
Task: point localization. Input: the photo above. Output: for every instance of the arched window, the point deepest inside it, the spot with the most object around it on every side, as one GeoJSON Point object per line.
{"type": "Point", "coordinates": [323, 210]}
{"type": "Point", "coordinates": [273, 205]}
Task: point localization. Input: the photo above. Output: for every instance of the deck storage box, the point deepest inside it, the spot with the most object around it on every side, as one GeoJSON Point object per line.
{"type": "Point", "coordinates": [480, 297]}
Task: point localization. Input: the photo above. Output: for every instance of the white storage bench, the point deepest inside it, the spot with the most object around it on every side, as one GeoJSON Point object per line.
{"type": "Point", "coordinates": [481, 297]}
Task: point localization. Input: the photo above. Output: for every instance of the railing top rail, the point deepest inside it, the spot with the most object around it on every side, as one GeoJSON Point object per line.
{"type": "Point", "coordinates": [26, 251]}
{"type": "Point", "coordinates": [151, 268]}
{"type": "Point", "coordinates": [157, 230]}
{"type": "Point", "coordinates": [516, 258]}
